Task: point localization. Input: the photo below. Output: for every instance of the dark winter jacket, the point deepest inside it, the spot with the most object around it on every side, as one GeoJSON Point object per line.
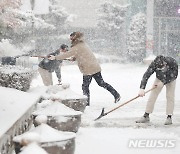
{"type": "Point", "coordinates": [165, 74]}
{"type": "Point", "coordinates": [52, 65]}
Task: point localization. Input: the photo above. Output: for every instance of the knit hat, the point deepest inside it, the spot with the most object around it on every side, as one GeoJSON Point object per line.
{"type": "Point", "coordinates": [76, 35]}
{"type": "Point", "coordinates": [73, 33]}
{"type": "Point", "coordinates": [63, 46]}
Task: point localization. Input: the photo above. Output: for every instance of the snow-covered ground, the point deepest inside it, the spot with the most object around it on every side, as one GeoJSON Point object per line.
{"type": "Point", "coordinates": [117, 132]}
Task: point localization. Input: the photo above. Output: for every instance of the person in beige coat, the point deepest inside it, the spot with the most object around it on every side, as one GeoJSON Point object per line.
{"type": "Point", "coordinates": [88, 65]}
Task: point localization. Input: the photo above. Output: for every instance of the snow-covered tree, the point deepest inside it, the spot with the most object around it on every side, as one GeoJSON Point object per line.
{"type": "Point", "coordinates": [32, 21]}
{"type": "Point", "coordinates": [111, 16]}
{"type": "Point", "coordinates": [111, 21]}
{"type": "Point", "coordinates": [136, 40]}
{"type": "Point", "coordinates": [9, 17]}
{"type": "Point", "coordinates": [57, 14]}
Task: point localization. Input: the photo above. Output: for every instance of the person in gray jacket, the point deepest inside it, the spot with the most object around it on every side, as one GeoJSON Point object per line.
{"type": "Point", "coordinates": [88, 65]}
{"type": "Point", "coordinates": [166, 69]}
{"type": "Point", "coordinates": [47, 67]}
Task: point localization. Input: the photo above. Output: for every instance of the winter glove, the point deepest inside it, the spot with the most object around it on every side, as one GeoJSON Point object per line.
{"type": "Point", "coordinates": [51, 57]}
{"type": "Point", "coordinates": [73, 58]}
{"type": "Point", "coordinates": [141, 93]}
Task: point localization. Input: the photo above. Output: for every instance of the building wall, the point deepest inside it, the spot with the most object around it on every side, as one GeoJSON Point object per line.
{"type": "Point", "coordinates": [167, 28]}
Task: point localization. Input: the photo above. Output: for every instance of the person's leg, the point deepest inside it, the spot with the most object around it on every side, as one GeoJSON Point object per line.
{"type": "Point", "coordinates": [58, 74]}
{"type": "Point", "coordinates": [101, 83]}
{"type": "Point", "coordinates": [46, 76]}
{"type": "Point", "coordinates": [85, 86]}
{"type": "Point", "coordinates": [151, 101]}
{"type": "Point", "coordinates": [153, 96]}
{"type": "Point", "coordinates": [170, 95]}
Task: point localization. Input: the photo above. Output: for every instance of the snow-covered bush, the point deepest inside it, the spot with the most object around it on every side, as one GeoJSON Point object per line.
{"type": "Point", "coordinates": [16, 77]}
{"type": "Point", "coordinates": [136, 40]}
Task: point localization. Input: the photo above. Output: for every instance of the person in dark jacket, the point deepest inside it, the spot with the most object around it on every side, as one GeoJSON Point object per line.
{"type": "Point", "coordinates": [166, 69]}
{"type": "Point", "coordinates": [47, 67]}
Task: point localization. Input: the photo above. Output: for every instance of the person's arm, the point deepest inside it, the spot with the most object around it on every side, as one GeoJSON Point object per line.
{"type": "Point", "coordinates": [145, 78]}
{"type": "Point", "coordinates": [69, 54]}
{"type": "Point", "coordinates": [146, 75]}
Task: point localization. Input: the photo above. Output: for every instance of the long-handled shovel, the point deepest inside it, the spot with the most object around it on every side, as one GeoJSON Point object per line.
{"type": "Point", "coordinates": [106, 113]}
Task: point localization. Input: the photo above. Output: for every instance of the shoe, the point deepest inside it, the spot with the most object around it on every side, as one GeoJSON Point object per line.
{"type": "Point", "coordinates": [143, 120]}
{"type": "Point", "coordinates": [168, 121]}
{"type": "Point", "coordinates": [59, 82]}
{"type": "Point", "coordinates": [117, 99]}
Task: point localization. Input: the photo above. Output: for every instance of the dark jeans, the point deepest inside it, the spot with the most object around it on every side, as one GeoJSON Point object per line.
{"type": "Point", "coordinates": [98, 77]}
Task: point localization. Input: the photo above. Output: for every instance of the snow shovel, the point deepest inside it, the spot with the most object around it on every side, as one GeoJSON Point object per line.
{"type": "Point", "coordinates": [106, 113]}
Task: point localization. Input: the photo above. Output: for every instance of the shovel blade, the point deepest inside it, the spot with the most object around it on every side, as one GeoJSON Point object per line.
{"type": "Point", "coordinates": [101, 115]}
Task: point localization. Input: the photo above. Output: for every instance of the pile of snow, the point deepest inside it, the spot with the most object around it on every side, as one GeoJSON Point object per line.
{"type": "Point", "coordinates": [41, 119]}
{"type": "Point", "coordinates": [33, 148]}
{"type": "Point", "coordinates": [55, 88]}
{"type": "Point", "coordinates": [15, 69]}
{"type": "Point", "coordinates": [68, 94]}
{"type": "Point", "coordinates": [61, 92]}
{"type": "Point", "coordinates": [30, 137]}
{"type": "Point", "coordinates": [56, 108]}
{"type": "Point", "coordinates": [46, 134]}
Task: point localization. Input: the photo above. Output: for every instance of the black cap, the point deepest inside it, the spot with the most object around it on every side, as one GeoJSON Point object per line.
{"type": "Point", "coordinates": [73, 33]}
{"type": "Point", "coordinates": [63, 46]}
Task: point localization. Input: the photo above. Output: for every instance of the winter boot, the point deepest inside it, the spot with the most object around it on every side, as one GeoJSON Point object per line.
{"type": "Point", "coordinates": [168, 121]}
{"type": "Point", "coordinates": [143, 120]}
{"type": "Point", "coordinates": [117, 99]}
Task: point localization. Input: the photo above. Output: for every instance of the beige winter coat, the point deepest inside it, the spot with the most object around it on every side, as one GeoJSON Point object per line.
{"type": "Point", "coordinates": [86, 60]}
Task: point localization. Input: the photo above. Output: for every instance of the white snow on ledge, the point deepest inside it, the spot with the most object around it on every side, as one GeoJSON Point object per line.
{"type": "Point", "coordinates": [13, 105]}
{"type": "Point", "coordinates": [46, 134]}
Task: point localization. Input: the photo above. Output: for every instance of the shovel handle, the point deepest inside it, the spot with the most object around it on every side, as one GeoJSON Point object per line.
{"type": "Point", "coordinates": [130, 100]}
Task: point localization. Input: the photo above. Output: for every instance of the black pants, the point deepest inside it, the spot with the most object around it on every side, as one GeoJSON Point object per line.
{"type": "Point", "coordinates": [98, 77]}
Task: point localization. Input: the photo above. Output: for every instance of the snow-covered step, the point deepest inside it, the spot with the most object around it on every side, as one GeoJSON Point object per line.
{"type": "Point", "coordinates": [15, 115]}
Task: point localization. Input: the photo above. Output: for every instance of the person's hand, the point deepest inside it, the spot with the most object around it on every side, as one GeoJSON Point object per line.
{"type": "Point", "coordinates": [51, 57]}
{"type": "Point", "coordinates": [72, 59]}
{"type": "Point", "coordinates": [141, 93]}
